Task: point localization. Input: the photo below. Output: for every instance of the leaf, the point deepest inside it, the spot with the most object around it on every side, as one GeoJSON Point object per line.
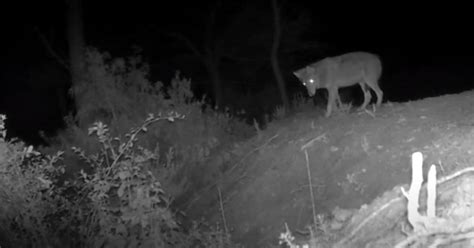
{"type": "Point", "coordinates": [121, 190]}
{"type": "Point", "coordinates": [121, 229]}
{"type": "Point", "coordinates": [144, 222]}
{"type": "Point", "coordinates": [150, 117]}
{"type": "Point", "coordinates": [123, 175]}
{"type": "Point", "coordinates": [140, 159]}
{"type": "Point", "coordinates": [47, 183]}
{"type": "Point", "coordinates": [122, 147]}
{"type": "Point", "coordinates": [92, 130]}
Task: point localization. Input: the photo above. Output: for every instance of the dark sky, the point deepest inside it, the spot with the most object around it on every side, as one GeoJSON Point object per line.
{"type": "Point", "coordinates": [408, 33]}
{"type": "Point", "coordinates": [422, 45]}
{"type": "Point", "coordinates": [390, 26]}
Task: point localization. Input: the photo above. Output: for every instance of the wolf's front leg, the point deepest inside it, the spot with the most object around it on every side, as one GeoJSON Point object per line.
{"type": "Point", "coordinates": [333, 96]}
{"type": "Point", "coordinates": [367, 96]}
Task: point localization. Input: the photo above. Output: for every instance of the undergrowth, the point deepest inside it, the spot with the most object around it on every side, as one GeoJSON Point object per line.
{"type": "Point", "coordinates": [117, 92]}
{"type": "Point", "coordinates": [98, 184]}
{"type": "Point", "coordinates": [120, 204]}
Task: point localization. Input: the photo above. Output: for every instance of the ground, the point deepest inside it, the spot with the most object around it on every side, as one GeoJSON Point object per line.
{"type": "Point", "coordinates": [354, 158]}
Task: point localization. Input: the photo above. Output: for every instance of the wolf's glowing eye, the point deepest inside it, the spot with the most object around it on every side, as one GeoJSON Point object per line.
{"type": "Point", "coordinates": [311, 81]}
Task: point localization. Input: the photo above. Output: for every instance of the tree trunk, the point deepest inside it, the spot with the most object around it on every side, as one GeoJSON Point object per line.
{"type": "Point", "coordinates": [212, 55]}
{"type": "Point", "coordinates": [274, 56]}
{"type": "Point", "coordinates": [76, 44]}
{"type": "Point", "coordinates": [212, 66]}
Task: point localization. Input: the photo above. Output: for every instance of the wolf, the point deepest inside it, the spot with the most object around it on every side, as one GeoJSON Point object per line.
{"type": "Point", "coordinates": [344, 70]}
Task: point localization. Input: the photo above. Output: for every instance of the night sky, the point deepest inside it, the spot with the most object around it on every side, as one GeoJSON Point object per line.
{"type": "Point", "coordinates": [426, 49]}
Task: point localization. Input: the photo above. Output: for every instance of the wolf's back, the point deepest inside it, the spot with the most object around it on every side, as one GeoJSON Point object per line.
{"type": "Point", "coordinates": [370, 62]}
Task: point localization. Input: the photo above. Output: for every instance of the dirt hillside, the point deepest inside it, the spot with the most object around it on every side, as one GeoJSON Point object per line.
{"type": "Point", "coordinates": [354, 158]}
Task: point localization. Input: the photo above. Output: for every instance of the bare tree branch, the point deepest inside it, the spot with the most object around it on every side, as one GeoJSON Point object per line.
{"type": "Point", "coordinates": [50, 50]}
{"type": "Point", "coordinates": [187, 42]}
{"type": "Point", "coordinates": [274, 54]}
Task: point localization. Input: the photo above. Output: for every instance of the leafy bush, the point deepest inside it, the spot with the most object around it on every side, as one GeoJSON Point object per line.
{"type": "Point", "coordinates": [126, 205]}
{"type": "Point", "coordinates": [115, 88]}
{"type": "Point", "coordinates": [118, 197]}
{"type": "Point", "coordinates": [120, 204]}
{"type": "Point", "coordinates": [111, 193]}
{"type": "Point", "coordinates": [118, 93]}
{"type": "Point", "coordinates": [30, 199]}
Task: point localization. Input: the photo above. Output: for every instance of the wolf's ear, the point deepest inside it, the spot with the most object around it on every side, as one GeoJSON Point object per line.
{"type": "Point", "coordinates": [297, 73]}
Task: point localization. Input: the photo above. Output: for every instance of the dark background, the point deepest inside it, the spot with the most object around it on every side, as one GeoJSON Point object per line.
{"type": "Point", "coordinates": [426, 48]}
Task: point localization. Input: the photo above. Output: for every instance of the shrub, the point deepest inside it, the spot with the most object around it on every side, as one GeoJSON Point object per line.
{"type": "Point", "coordinates": [126, 205]}
{"type": "Point", "coordinates": [119, 204]}
{"type": "Point", "coordinates": [30, 199]}
{"type": "Point", "coordinates": [117, 92]}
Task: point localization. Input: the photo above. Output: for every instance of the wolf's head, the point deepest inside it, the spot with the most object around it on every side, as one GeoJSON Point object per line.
{"type": "Point", "coordinates": [310, 79]}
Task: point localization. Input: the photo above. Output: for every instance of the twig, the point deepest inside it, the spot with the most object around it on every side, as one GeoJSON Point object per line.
{"type": "Point", "coordinates": [455, 238]}
{"type": "Point", "coordinates": [386, 205]}
{"type": "Point", "coordinates": [311, 142]}
{"type": "Point", "coordinates": [451, 237]}
{"type": "Point", "coordinates": [310, 186]}
{"type": "Point", "coordinates": [221, 205]}
{"type": "Point", "coordinates": [456, 174]}
{"type": "Point", "coordinates": [134, 133]}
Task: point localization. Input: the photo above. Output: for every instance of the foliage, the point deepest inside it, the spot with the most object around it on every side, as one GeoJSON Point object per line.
{"type": "Point", "coordinates": [118, 92]}
{"type": "Point", "coordinates": [114, 87]}
{"type": "Point", "coordinates": [120, 204]}
{"type": "Point", "coordinates": [279, 113]}
{"type": "Point", "coordinates": [118, 199]}
{"type": "Point", "coordinates": [29, 196]}
{"type": "Point", "coordinates": [210, 236]}
{"type": "Point", "coordinates": [127, 204]}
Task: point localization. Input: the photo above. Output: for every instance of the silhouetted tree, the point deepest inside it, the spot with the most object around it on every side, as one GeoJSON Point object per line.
{"type": "Point", "coordinates": [274, 55]}
{"type": "Point", "coordinates": [207, 51]}
{"type": "Point", "coordinates": [258, 34]}
{"type": "Point", "coordinates": [248, 37]}
{"type": "Point", "coordinates": [76, 45]}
